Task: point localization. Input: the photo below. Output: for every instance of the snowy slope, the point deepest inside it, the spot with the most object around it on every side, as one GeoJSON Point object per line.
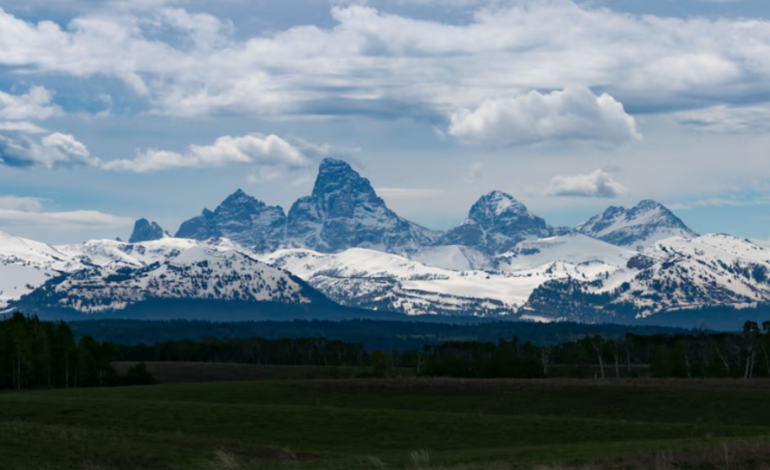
{"type": "Point", "coordinates": [113, 254]}
{"type": "Point", "coordinates": [199, 272]}
{"type": "Point", "coordinates": [572, 248]}
{"type": "Point", "coordinates": [25, 265]}
{"type": "Point", "coordinates": [373, 279]}
{"type": "Point", "coordinates": [641, 226]}
{"type": "Point", "coordinates": [107, 275]}
{"type": "Point", "coordinates": [708, 270]}
{"type": "Point", "coordinates": [453, 257]}
{"type": "Point", "coordinates": [673, 275]}
{"type": "Point", "coordinates": [570, 276]}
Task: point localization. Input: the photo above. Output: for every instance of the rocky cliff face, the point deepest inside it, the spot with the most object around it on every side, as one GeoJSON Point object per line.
{"type": "Point", "coordinates": [145, 231]}
{"type": "Point", "coordinates": [344, 212]}
{"type": "Point", "coordinates": [241, 218]}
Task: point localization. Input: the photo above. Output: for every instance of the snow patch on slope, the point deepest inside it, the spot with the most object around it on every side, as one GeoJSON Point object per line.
{"type": "Point", "coordinates": [372, 279]}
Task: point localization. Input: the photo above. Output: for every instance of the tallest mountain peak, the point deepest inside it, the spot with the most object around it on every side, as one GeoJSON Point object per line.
{"type": "Point", "coordinates": [337, 175]}
{"type": "Point", "coordinates": [344, 211]}
{"type": "Point", "coordinates": [329, 163]}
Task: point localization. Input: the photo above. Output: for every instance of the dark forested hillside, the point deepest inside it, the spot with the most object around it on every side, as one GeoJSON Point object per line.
{"type": "Point", "coordinates": [373, 334]}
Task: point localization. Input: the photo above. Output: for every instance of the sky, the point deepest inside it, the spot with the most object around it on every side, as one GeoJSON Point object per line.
{"type": "Point", "coordinates": [115, 110]}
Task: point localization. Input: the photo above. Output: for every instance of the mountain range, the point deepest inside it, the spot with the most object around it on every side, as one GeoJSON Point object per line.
{"type": "Point", "coordinates": [345, 212]}
{"type": "Point", "coordinates": [341, 249]}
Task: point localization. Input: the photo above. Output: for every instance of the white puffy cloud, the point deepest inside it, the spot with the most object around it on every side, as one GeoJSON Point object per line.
{"type": "Point", "coordinates": [572, 114]}
{"type": "Point", "coordinates": [33, 105]}
{"type": "Point", "coordinates": [17, 148]}
{"type": "Point", "coordinates": [270, 151]}
{"type": "Point", "coordinates": [595, 184]}
{"type": "Point", "coordinates": [52, 151]}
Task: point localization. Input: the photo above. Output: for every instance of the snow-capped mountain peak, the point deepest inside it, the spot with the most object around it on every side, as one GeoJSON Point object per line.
{"type": "Point", "coordinates": [641, 226]}
{"type": "Point", "coordinates": [495, 203]}
{"type": "Point", "coordinates": [495, 224]}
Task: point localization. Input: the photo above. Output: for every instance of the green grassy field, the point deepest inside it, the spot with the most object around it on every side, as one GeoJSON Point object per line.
{"type": "Point", "coordinates": [397, 423]}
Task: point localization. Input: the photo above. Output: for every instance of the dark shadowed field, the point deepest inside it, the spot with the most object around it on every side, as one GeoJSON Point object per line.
{"type": "Point", "coordinates": [184, 372]}
{"type": "Point", "coordinates": [391, 423]}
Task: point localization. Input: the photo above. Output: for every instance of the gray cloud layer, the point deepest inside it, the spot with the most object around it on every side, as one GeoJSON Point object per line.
{"type": "Point", "coordinates": [478, 71]}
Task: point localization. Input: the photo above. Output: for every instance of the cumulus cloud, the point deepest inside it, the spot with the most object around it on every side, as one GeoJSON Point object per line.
{"type": "Point", "coordinates": [33, 105]}
{"type": "Point", "coordinates": [18, 148]}
{"type": "Point", "coordinates": [572, 114]}
{"type": "Point", "coordinates": [55, 150]}
{"type": "Point", "coordinates": [270, 151]}
{"type": "Point", "coordinates": [596, 184]}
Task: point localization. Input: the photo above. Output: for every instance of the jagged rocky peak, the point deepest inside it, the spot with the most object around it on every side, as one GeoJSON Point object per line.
{"type": "Point", "coordinates": [241, 218]}
{"type": "Point", "coordinates": [341, 189]}
{"type": "Point", "coordinates": [641, 226]}
{"type": "Point", "coordinates": [344, 211]}
{"type": "Point", "coordinates": [145, 231]}
{"type": "Point", "coordinates": [335, 175]}
{"type": "Point", "coordinates": [496, 223]}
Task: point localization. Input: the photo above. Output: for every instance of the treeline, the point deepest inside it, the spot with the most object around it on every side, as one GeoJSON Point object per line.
{"type": "Point", "coordinates": [373, 334]}
{"type": "Point", "coordinates": [698, 355]}
{"type": "Point", "coordinates": [287, 351]}
{"type": "Point", "coordinates": [39, 354]}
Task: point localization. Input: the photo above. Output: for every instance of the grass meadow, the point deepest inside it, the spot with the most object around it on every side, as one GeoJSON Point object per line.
{"type": "Point", "coordinates": [406, 423]}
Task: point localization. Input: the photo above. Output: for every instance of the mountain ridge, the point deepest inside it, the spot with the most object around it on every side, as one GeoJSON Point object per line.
{"type": "Point", "coordinates": [344, 211]}
{"type": "Point", "coordinates": [564, 278]}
